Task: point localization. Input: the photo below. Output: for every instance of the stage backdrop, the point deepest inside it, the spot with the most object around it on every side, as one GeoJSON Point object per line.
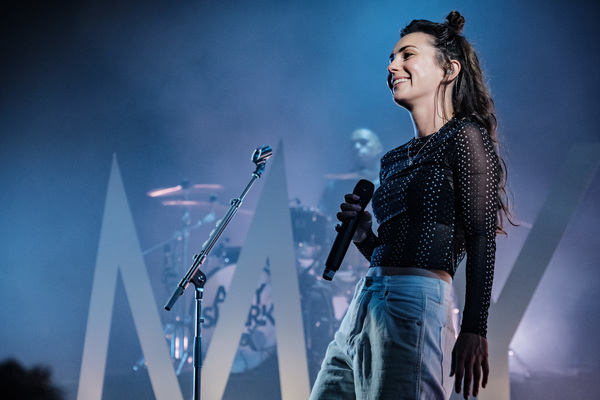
{"type": "Point", "coordinates": [183, 93]}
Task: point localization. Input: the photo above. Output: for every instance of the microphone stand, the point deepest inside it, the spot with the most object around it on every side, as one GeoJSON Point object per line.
{"type": "Point", "coordinates": [198, 278]}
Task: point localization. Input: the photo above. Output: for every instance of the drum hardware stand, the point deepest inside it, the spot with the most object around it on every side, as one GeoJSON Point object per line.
{"type": "Point", "coordinates": [187, 228]}
{"type": "Point", "coordinates": [198, 278]}
{"type": "Point", "coordinates": [176, 329]}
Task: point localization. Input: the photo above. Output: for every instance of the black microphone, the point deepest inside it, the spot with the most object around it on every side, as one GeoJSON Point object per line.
{"type": "Point", "coordinates": [364, 190]}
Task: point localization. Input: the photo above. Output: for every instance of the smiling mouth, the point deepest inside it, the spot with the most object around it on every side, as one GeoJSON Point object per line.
{"type": "Point", "coordinates": [399, 80]}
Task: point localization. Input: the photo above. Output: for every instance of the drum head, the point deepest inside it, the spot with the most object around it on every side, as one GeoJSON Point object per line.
{"type": "Point", "coordinates": [258, 339]}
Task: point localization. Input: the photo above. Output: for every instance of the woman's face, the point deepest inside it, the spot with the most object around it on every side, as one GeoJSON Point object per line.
{"type": "Point", "coordinates": [415, 74]}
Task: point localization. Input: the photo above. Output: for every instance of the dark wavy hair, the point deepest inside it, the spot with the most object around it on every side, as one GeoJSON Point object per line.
{"type": "Point", "coordinates": [471, 98]}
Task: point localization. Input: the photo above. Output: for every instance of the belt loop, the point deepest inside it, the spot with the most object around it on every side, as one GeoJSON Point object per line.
{"type": "Point", "coordinates": [445, 290]}
{"type": "Point", "coordinates": [383, 288]}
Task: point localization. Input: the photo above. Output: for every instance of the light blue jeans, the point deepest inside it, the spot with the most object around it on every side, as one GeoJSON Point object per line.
{"type": "Point", "coordinates": [395, 342]}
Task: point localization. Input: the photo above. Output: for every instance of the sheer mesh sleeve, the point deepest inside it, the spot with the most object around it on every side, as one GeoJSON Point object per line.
{"type": "Point", "coordinates": [367, 246]}
{"type": "Point", "coordinates": [476, 177]}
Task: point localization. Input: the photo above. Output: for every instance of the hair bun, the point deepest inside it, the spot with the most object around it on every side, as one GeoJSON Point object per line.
{"type": "Point", "coordinates": [456, 21]}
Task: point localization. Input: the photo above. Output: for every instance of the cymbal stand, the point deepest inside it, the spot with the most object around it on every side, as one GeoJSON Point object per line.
{"type": "Point", "coordinates": [180, 321]}
{"type": "Point", "coordinates": [198, 278]}
{"type": "Point", "coordinates": [177, 329]}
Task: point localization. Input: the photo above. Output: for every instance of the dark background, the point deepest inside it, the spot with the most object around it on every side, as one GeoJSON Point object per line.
{"type": "Point", "coordinates": [188, 89]}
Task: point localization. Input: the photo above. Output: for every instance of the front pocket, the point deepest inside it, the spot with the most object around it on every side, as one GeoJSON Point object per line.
{"type": "Point", "coordinates": [406, 306]}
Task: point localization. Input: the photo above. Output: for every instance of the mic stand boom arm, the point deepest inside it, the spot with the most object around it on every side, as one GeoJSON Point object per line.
{"type": "Point", "coordinates": [259, 157]}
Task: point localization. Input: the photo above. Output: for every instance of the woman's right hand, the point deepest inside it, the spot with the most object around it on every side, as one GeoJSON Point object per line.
{"type": "Point", "coordinates": [350, 208]}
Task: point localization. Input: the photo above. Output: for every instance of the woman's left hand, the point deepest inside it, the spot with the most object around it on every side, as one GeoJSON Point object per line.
{"type": "Point", "coordinates": [470, 363]}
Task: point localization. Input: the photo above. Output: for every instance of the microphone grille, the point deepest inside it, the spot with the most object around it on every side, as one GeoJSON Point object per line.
{"type": "Point", "coordinates": [364, 189]}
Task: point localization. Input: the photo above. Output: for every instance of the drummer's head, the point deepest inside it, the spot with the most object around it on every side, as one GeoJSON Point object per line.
{"type": "Point", "coordinates": [366, 147]}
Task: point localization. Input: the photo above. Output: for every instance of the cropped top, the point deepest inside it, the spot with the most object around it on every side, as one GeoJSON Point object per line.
{"type": "Point", "coordinates": [437, 202]}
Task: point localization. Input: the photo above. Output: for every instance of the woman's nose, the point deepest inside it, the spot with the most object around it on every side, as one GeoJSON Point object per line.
{"type": "Point", "coordinates": [391, 68]}
{"type": "Point", "coordinates": [394, 66]}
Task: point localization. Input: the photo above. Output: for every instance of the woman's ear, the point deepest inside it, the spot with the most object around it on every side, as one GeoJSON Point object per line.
{"type": "Point", "coordinates": [453, 70]}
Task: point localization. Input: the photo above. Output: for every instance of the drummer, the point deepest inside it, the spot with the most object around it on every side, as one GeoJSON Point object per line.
{"type": "Point", "coordinates": [366, 151]}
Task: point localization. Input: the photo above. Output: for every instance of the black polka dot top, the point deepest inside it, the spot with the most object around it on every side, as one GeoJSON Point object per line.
{"type": "Point", "coordinates": [437, 202]}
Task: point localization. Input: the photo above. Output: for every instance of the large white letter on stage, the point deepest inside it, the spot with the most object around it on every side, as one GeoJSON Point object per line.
{"type": "Point", "coordinates": [269, 237]}
{"type": "Point", "coordinates": [571, 184]}
{"type": "Point", "coordinates": [119, 251]}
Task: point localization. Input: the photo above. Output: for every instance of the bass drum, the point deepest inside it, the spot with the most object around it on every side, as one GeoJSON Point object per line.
{"type": "Point", "coordinates": [258, 340]}
{"type": "Point", "coordinates": [319, 323]}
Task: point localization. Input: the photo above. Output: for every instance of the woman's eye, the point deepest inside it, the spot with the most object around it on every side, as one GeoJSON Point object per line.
{"type": "Point", "coordinates": [408, 55]}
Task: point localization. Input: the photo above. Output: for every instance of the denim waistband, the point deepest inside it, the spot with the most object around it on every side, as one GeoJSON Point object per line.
{"type": "Point", "coordinates": [433, 286]}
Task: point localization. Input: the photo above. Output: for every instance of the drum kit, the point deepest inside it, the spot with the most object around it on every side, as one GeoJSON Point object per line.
{"type": "Point", "coordinates": [323, 303]}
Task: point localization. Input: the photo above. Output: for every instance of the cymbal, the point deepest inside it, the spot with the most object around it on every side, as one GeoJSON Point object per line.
{"type": "Point", "coordinates": [214, 206]}
{"type": "Point", "coordinates": [183, 189]}
{"type": "Point", "coordinates": [188, 203]}
{"type": "Point", "coordinates": [345, 177]}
